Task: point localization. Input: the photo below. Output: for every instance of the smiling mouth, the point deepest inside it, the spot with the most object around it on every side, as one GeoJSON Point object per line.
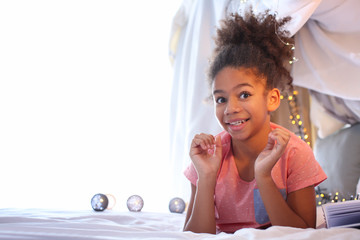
{"type": "Point", "coordinates": [238, 122]}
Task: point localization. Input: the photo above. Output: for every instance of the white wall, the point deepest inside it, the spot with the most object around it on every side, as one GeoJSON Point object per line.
{"type": "Point", "coordinates": [84, 101]}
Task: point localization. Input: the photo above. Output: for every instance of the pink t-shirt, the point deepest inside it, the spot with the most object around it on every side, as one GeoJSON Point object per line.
{"type": "Point", "coordinates": [238, 203]}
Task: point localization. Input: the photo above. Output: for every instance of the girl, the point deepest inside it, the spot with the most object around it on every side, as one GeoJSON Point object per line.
{"type": "Point", "coordinates": [255, 173]}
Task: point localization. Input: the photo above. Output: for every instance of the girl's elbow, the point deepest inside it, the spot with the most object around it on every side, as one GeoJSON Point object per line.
{"type": "Point", "coordinates": [199, 230]}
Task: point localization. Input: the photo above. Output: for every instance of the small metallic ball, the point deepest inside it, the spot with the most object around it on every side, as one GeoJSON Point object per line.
{"type": "Point", "coordinates": [135, 203]}
{"type": "Point", "coordinates": [177, 205]}
{"type": "Point", "coordinates": [99, 202]}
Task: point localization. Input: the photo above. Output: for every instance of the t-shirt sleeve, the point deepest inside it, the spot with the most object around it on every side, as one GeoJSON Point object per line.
{"type": "Point", "coordinates": [191, 174]}
{"type": "Point", "coordinates": [303, 169]}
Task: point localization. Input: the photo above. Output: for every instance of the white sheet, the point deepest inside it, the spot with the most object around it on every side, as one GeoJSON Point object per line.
{"type": "Point", "coordinates": [56, 224]}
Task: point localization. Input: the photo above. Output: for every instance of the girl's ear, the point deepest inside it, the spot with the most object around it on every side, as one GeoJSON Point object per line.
{"type": "Point", "coordinates": [273, 99]}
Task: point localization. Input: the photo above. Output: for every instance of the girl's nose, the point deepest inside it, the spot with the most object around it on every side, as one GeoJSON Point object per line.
{"type": "Point", "coordinates": [232, 106]}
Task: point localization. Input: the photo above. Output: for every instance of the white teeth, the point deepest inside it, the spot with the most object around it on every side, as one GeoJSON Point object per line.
{"type": "Point", "coordinates": [238, 122]}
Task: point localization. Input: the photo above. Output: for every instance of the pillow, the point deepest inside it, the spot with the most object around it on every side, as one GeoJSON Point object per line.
{"type": "Point", "coordinates": [339, 156]}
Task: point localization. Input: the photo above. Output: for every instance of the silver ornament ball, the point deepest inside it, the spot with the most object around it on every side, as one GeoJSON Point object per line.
{"type": "Point", "coordinates": [135, 203]}
{"type": "Point", "coordinates": [99, 202]}
{"type": "Point", "coordinates": [177, 205]}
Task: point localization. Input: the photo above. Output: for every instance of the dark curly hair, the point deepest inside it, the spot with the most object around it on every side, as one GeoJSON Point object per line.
{"type": "Point", "coordinates": [256, 42]}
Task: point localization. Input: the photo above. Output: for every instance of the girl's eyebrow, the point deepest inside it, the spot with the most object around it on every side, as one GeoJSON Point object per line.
{"type": "Point", "coordinates": [237, 86]}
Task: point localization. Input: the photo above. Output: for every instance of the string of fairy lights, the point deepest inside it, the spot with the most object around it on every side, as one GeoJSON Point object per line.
{"type": "Point", "coordinates": [101, 202]}
{"type": "Point", "coordinates": [294, 109]}
{"type": "Point", "coordinates": [295, 116]}
{"type": "Point", "coordinates": [322, 197]}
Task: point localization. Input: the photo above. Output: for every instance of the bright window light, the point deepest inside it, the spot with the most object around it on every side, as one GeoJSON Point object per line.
{"type": "Point", "coordinates": [84, 102]}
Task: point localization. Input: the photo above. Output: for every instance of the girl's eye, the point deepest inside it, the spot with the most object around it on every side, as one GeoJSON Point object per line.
{"type": "Point", "coordinates": [245, 95]}
{"type": "Point", "coordinates": [220, 100]}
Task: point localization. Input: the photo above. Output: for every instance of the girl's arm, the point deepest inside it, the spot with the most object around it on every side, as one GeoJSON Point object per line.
{"type": "Point", "coordinates": [190, 206]}
{"type": "Point", "coordinates": [200, 217]}
{"type": "Point", "coordinates": [206, 158]}
{"type": "Point", "coordinates": [298, 211]}
{"type": "Point", "coordinates": [300, 208]}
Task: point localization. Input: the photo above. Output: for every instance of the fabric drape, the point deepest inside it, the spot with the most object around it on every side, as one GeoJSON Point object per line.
{"type": "Point", "coordinates": [327, 36]}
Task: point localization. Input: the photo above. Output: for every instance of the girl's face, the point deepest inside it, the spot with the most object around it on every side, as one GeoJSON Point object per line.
{"type": "Point", "coordinates": [242, 103]}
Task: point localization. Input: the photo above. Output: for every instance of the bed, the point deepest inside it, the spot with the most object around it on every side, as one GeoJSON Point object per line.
{"type": "Point", "coordinates": [111, 224]}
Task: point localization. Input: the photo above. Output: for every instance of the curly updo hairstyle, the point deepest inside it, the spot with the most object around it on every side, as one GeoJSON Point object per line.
{"type": "Point", "coordinates": [253, 41]}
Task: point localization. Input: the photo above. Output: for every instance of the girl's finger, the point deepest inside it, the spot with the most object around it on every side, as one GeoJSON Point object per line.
{"type": "Point", "coordinates": [205, 141]}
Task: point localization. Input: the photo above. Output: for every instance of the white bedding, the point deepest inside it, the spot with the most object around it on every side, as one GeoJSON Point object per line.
{"type": "Point", "coordinates": [56, 224]}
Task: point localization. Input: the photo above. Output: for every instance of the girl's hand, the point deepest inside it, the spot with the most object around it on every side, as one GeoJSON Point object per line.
{"type": "Point", "coordinates": [206, 154]}
{"type": "Point", "coordinates": [277, 142]}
